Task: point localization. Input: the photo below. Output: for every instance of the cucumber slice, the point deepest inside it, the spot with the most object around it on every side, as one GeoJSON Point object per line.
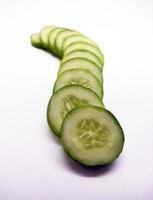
{"type": "Point", "coordinates": [61, 37]}
{"type": "Point", "coordinates": [44, 35]}
{"type": "Point", "coordinates": [35, 40]}
{"type": "Point", "coordinates": [66, 99]}
{"type": "Point", "coordinates": [83, 54]}
{"type": "Point", "coordinates": [85, 46]}
{"type": "Point", "coordinates": [79, 77]}
{"type": "Point", "coordinates": [92, 136]}
{"type": "Point", "coordinates": [77, 38]}
{"type": "Point", "coordinates": [81, 63]}
{"type": "Point", "coordinates": [52, 38]}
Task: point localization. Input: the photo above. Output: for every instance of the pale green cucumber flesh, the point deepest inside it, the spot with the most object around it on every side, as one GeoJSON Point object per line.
{"type": "Point", "coordinates": [44, 35]}
{"type": "Point", "coordinates": [92, 136]}
{"type": "Point", "coordinates": [66, 99]}
{"type": "Point", "coordinates": [79, 77]}
{"type": "Point", "coordinates": [52, 39]}
{"type": "Point", "coordinates": [81, 63]}
{"type": "Point", "coordinates": [85, 46]}
{"type": "Point", "coordinates": [83, 54]}
{"type": "Point", "coordinates": [61, 37]}
{"type": "Point", "coordinates": [35, 40]}
{"type": "Point", "coordinates": [77, 39]}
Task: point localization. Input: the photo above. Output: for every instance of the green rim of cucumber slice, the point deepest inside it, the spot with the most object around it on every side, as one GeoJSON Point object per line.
{"type": "Point", "coordinates": [44, 35]}
{"type": "Point", "coordinates": [92, 136]}
{"type": "Point", "coordinates": [83, 54]}
{"type": "Point", "coordinates": [52, 38]}
{"type": "Point", "coordinates": [77, 39]}
{"type": "Point", "coordinates": [35, 40]}
{"type": "Point", "coordinates": [61, 36]}
{"type": "Point", "coordinates": [84, 46]}
{"type": "Point", "coordinates": [81, 63]}
{"type": "Point", "coordinates": [79, 77]}
{"type": "Point", "coordinates": [66, 99]}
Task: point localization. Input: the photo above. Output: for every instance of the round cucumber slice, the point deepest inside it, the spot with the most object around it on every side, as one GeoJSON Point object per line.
{"type": "Point", "coordinates": [79, 77]}
{"type": "Point", "coordinates": [92, 136]}
{"type": "Point", "coordinates": [35, 40]}
{"type": "Point", "coordinates": [61, 37]}
{"type": "Point", "coordinates": [81, 63]}
{"type": "Point", "coordinates": [66, 99]}
{"type": "Point", "coordinates": [83, 54]}
{"type": "Point", "coordinates": [44, 35]}
{"type": "Point", "coordinates": [84, 46]}
{"type": "Point", "coordinates": [52, 37]}
{"type": "Point", "coordinates": [77, 38]}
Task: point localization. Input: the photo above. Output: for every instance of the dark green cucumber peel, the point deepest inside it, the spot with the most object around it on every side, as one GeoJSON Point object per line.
{"type": "Point", "coordinates": [99, 141]}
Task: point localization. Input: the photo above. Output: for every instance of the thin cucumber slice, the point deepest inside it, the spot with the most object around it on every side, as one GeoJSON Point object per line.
{"type": "Point", "coordinates": [92, 136]}
{"type": "Point", "coordinates": [77, 38]}
{"type": "Point", "coordinates": [83, 54]}
{"type": "Point", "coordinates": [65, 100]}
{"type": "Point", "coordinates": [79, 77]}
{"type": "Point", "coordinates": [61, 37]}
{"type": "Point", "coordinates": [81, 63]}
{"type": "Point", "coordinates": [52, 38]}
{"type": "Point", "coordinates": [35, 40]}
{"type": "Point", "coordinates": [85, 46]}
{"type": "Point", "coordinates": [44, 35]}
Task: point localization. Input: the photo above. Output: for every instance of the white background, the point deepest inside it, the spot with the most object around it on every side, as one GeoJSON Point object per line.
{"type": "Point", "coordinates": [33, 165]}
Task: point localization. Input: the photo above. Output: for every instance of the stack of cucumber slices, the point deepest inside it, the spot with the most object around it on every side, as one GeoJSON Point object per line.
{"type": "Point", "coordinates": [90, 134]}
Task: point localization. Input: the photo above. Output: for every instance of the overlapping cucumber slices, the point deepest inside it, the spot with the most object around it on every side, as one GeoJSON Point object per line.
{"type": "Point", "coordinates": [90, 134]}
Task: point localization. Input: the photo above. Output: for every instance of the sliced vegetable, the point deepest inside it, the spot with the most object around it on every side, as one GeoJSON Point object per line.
{"type": "Point", "coordinates": [35, 40]}
{"type": "Point", "coordinates": [77, 39]}
{"type": "Point", "coordinates": [44, 35]}
{"type": "Point", "coordinates": [82, 54]}
{"type": "Point", "coordinates": [79, 77]}
{"type": "Point", "coordinates": [61, 38]}
{"type": "Point", "coordinates": [81, 63]}
{"type": "Point", "coordinates": [52, 38]}
{"type": "Point", "coordinates": [92, 136]}
{"type": "Point", "coordinates": [66, 99]}
{"type": "Point", "coordinates": [84, 46]}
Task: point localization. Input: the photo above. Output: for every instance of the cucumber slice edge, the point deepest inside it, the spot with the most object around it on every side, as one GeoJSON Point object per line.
{"type": "Point", "coordinates": [35, 40]}
{"type": "Point", "coordinates": [49, 108]}
{"type": "Point", "coordinates": [84, 71]}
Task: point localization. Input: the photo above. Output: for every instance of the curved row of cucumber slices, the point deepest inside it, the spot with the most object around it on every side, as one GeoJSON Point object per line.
{"type": "Point", "coordinates": [90, 134]}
